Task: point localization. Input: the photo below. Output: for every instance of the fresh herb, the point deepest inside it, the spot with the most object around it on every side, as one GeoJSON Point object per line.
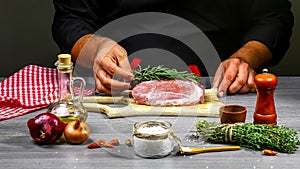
{"type": "Point", "coordinates": [253, 136]}
{"type": "Point", "coordinates": [160, 73]}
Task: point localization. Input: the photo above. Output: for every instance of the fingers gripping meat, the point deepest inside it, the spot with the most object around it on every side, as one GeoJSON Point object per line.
{"type": "Point", "coordinates": [168, 93]}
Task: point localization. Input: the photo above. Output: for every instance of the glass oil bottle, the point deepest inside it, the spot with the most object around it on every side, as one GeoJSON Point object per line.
{"type": "Point", "coordinates": [68, 107]}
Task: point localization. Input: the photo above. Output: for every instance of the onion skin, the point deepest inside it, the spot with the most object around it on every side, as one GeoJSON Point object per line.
{"type": "Point", "coordinates": [76, 132]}
{"type": "Point", "coordinates": [45, 128]}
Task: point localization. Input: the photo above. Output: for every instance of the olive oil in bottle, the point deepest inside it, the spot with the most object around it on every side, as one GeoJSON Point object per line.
{"type": "Point", "coordinates": [68, 107]}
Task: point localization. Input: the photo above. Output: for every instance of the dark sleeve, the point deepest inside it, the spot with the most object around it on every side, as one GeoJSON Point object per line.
{"type": "Point", "coordinates": [271, 22]}
{"type": "Point", "coordinates": [72, 20]}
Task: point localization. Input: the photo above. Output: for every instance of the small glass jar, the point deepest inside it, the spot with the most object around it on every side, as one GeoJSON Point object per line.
{"type": "Point", "coordinates": [153, 139]}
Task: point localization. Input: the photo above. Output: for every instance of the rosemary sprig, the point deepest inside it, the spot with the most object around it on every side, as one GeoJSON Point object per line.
{"type": "Point", "coordinates": [253, 136]}
{"type": "Point", "coordinates": [160, 73]}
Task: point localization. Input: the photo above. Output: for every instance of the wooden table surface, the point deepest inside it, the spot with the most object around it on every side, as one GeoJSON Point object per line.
{"type": "Point", "coordinates": [17, 150]}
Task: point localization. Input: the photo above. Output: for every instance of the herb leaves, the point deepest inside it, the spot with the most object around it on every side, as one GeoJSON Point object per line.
{"type": "Point", "coordinates": [161, 73]}
{"type": "Point", "coordinates": [253, 136]}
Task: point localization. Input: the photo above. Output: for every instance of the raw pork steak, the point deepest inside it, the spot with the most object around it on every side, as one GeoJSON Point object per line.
{"type": "Point", "coordinates": [168, 93]}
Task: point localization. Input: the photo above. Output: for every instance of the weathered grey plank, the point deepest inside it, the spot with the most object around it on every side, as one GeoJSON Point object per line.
{"type": "Point", "coordinates": [17, 149]}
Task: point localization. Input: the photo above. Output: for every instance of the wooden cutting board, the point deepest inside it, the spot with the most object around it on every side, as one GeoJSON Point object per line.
{"type": "Point", "coordinates": [123, 106]}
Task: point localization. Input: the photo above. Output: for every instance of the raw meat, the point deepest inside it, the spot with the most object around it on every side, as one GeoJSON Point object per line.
{"type": "Point", "coordinates": [168, 93]}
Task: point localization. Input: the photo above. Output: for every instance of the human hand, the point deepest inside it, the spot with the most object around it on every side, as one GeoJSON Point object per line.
{"type": "Point", "coordinates": [234, 76]}
{"type": "Point", "coordinates": [111, 68]}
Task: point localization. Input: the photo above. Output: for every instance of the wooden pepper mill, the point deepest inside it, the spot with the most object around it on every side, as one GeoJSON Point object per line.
{"type": "Point", "coordinates": [265, 112]}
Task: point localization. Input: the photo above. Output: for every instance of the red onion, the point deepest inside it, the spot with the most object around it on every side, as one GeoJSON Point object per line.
{"type": "Point", "coordinates": [45, 128]}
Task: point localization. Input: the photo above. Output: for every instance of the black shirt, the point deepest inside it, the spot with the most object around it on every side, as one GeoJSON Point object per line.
{"type": "Point", "coordinates": [227, 23]}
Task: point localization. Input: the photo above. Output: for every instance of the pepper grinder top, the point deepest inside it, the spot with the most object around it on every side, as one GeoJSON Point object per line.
{"type": "Point", "coordinates": [265, 80]}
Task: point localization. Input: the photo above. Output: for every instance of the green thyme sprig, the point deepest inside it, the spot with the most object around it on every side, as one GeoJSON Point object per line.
{"type": "Point", "coordinates": [161, 72]}
{"type": "Point", "coordinates": [253, 136]}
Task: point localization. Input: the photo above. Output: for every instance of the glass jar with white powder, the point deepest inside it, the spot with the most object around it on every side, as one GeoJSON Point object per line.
{"type": "Point", "coordinates": [153, 139]}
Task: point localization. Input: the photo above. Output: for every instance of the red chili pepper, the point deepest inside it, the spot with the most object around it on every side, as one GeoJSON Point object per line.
{"type": "Point", "coordinates": [269, 152]}
{"type": "Point", "coordinates": [94, 145]}
{"type": "Point", "coordinates": [103, 143]}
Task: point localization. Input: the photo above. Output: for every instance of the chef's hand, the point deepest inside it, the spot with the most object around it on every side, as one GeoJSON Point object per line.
{"type": "Point", "coordinates": [234, 76]}
{"type": "Point", "coordinates": [109, 62]}
{"type": "Point", "coordinates": [110, 66]}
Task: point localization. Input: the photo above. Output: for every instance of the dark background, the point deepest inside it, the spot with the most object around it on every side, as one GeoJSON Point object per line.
{"type": "Point", "coordinates": [25, 37]}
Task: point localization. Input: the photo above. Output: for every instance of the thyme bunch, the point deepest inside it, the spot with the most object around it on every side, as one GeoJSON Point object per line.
{"type": "Point", "coordinates": [161, 72]}
{"type": "Point", "coordinates": [253, 136]}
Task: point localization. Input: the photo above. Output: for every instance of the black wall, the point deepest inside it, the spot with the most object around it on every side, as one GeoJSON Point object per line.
{"type": "Point", "coordinates": [25, 37]}
{"type": "Point", "coordinates": [26, 34]}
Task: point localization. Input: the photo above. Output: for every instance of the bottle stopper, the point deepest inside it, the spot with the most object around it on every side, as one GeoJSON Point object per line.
{"type": "Point", "coordinates": [64, 59]}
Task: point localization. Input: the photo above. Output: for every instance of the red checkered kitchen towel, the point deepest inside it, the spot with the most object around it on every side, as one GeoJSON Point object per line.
{"type": "Point", "coordinates": [31, 88]}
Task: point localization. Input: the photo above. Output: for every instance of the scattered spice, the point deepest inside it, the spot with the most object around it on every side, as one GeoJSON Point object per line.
{"type": "Point", "coordinates": [114, 142]}
{"type": "Point", "coordinates": [103, 143]}
{"type": "Point", "coordinates": [94, 145]}
{"type": "Point", "coordinates": [128, 142]}
{"type": "Point", "coordinates": [108, 145]}
{"type": "Point", "coordinates": [269, 152]}
{"type": "Point", "coordinates": [97, 144]}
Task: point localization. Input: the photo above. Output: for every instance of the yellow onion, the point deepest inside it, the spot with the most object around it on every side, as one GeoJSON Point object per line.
{"type": "Point", "coordinates": [77, 132]}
